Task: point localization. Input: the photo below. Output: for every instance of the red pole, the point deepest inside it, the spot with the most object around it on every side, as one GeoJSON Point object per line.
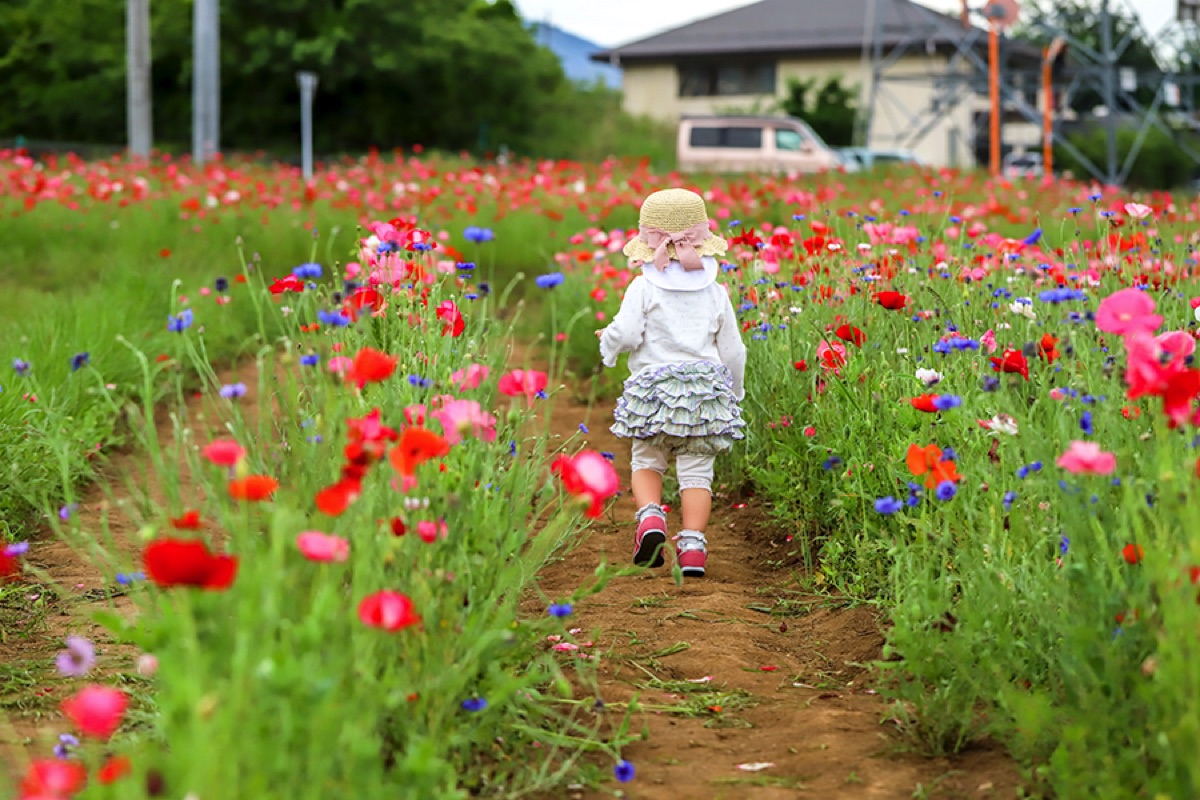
{"type": "Point", "coordinates": [1047, 114]}
{"type": "Point", "coordinates": [994, 92]}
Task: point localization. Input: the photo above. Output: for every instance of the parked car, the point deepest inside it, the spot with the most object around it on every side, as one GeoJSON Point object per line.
{"type": "Point", "coordinates": [1023, 165]}
{"type": "Point", "coordinates": [752, 144]}
{"type": "Point", "coordinates": [871, 158]}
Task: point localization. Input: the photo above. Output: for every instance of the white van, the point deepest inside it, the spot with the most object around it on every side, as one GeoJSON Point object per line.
{"type": "Point", "coordinates": [752, 144]}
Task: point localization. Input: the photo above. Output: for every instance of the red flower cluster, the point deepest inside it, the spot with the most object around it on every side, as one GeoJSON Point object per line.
{"type": "Point", "coordinates": [1011, 361]}
{"type": "Point", "coordinates": [173, 562]}
{"type": "Point", "coordinates": [368, 442]}
{"type": "Point", "coordinates": [370, 366]}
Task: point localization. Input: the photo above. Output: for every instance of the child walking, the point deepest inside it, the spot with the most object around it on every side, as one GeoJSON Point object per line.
{"type": "Point", "coordinates": [687, 362]}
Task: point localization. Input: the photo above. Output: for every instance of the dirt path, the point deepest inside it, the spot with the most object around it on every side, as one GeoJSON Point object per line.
{"type": "Point", "coordinates": [729, 685]}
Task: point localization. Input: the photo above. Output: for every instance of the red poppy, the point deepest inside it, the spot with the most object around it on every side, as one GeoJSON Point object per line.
{"type": "Point", "coordinates": [389, 610]}
{"type": "Point", "coordinates": [1011, 361]}
{"type": "Point", "coordinates": [370, 366]}
{"type": "Point", "coordinates": [925, 403]}
{"type": "Point", "coordinates": [417, 445]}
{"type": "Point", "coordinates": [928, 461]}
{"type": "Point", "coordinates": [334, 500]}
{"type": "Point", "coordinates": [364, 297]}
{"type": "Point", "coordinates": [892, 301]}
{"type": "Point", "coordinates": [190, 521]}
{"type": "Point", "coordinates": [1133, 553]}
{"type": "Point", "coordinates": [398, 527]}
{"type": "Point", "coordinates": [1047, 348]}
{"type": "Point", "coordinates": [114, 769]}
{"type": "Point", "coordinates": [747, 237]}
{"type": "Point", "coordinates": [848, 333]}
{"type": "Point", "coordinates": [1133, 412]}
{"type": "Point", "coordinates": [801, 365]}
{"type": "Point", "coordinates": [289, 283]}
{"type": "Point", "coordinates": [254, 488]}
{"type": "Point", "coordinates": [453, 323]}
{"type": "Point", "coordinates": [188, 562]}
{"type": "Point", "coordinates": [52, 779]}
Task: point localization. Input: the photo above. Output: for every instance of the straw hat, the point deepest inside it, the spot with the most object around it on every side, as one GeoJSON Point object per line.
{"type": "Point", "coordinates": [674, 226]}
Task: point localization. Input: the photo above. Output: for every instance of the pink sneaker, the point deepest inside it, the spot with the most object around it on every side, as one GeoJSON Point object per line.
{"type": "Point", "coordinates": [650, 539]}
{"type": "Point", "coordinates": [691, 552]}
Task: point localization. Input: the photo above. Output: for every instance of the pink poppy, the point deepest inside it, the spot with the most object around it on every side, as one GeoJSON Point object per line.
{"type": "Point", "coordinates": [392, 611]}
{"type": "Point", "coordinates": [1087, 458]}
{"type": "Point", "coordinates": [96, 710]}
{"type": "Point", "coordinates": [469, 377]}
{"type": "Point", "coordinates": [1127, 311]}
{"type": "Point", "coordinates": [1180, 344]}
{"type": "Point", "coordinates": [523, 382]}
{"type": "Point", "coordinates": [832, 356]}
{"type": "Point", "coordinates": [430, 531]}
{"type": "Point", "coordinates": [460, 417]}
{"type": "Point", "coordinates": [224, 452]}
{"type": "Point", "coordinates": [317, 546]}
{"type": "Point", "coordinates": [1137, 210]}
{"type": "Point", "coordinates": [588, 475]}
{"type": "Point", "coordinates": [988, 340]}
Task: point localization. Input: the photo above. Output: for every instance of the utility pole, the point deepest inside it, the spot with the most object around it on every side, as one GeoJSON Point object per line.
{"type": "Point", "coordinates": [139, 118]}
{"type": "Point", "coordinates": [206, 80]}
{"type": "Point", "coordinates": [308, 87]}
{"type": "Point", "coordinates": [1110, 91]}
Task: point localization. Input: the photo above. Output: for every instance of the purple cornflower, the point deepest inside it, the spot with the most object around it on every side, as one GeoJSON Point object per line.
{"type": "Point", "coordinates": [78, 659]}
{"type": "Point", "coordinates": [231, 390]}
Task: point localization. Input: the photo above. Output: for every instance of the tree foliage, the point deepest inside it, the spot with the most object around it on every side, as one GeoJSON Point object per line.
{"type": "Point", "coordinates": [453, 74]}
{"type": "Point", "coordinates": [831, 111]}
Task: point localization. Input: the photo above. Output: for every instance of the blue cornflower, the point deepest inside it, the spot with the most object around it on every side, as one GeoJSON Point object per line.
{"type": "Point", "coordinates": [21, 367]}
{"type": "Point", "coordinates": [66, 741]}
{"type": "Point", "coordinates": [607, 456]}
{"type": "Point", "coordinates": [231, 390]}
{"type": "Point", "coordinates": [1063, 545]}
{"type": "Point", "coordinates": [474, 704]}
{"type": "Point", "coordinates": [1085, 423]}
{"type": "Point", "coordinates": [16, 549]}
{"type": "Point", "coordinates": [946, 490]}
{"type": "Point", "coordinates": [465, 266]}
{"type": "Point", "coordinates": [1033, 238]}
{"type": "Point", "coordinates": [65, 512]}
{"type": "Point", "coordinates": [560, 610]}
{"type": "Point", "coordinates": [78, 360]}
{"type": "Point", "coordinates": [624, 771]}
{"type": "Point", "coordinates": [949, 455]}
{"type": "Point", "coordinates": [221, 284]}
{"type": "Point", "coordinates": [177, 324]}
{"type": "Point", "coordinates": [310, 360]}
{"type": "Point", "coordinates": [512, 447]}
{"type": "Point", "coordinates": [831, 462]}
{"type": "Point", "coordinates": [478, 235]}
{"type": "Point", "coordinates": [1009, 499]}
{"type": "Point", "coordinates": [583, 428]}
{"type": "Point", "coordinates": [888, 505]}
{"type": "Point", "coordinates": [335, 318]}
{"type": "Point", "coordinates": [549, 280]}
{"type": "Point", "coordinates": [308, 270]}
{"type": "Point", "coordinates": [941, 346]}
{"type": "Point", "coordinates": [945, 402]}
{"type": "Point", "coordinates": [126, 578]}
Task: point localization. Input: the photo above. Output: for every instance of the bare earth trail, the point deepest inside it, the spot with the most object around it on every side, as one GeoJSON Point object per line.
{"type": "Point", "coordinates": [824, 737]}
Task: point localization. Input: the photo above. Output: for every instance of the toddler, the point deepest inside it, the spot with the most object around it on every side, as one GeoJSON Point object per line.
{"type": "Point", "coordinates": [686, 362]}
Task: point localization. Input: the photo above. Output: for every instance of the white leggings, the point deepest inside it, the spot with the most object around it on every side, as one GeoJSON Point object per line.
{"type": "Point", "coordinates": [693, 472]}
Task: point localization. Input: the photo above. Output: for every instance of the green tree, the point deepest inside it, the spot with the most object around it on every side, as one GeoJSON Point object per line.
{"type": "Point", "coordinates": [444, 73]}
{"type": "Point", "coordinates": [831, 113]}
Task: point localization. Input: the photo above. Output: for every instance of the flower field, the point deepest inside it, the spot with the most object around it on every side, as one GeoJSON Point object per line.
{"type": "Point", "coordinates": [971, 406]}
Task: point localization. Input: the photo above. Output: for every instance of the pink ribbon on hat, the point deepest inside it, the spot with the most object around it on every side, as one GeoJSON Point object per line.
{"type": "Point", "coordinates": [686, 241]}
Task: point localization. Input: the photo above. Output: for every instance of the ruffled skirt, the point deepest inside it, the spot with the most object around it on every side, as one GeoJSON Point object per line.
{"type": "Point", "coordinates": [686, 408]}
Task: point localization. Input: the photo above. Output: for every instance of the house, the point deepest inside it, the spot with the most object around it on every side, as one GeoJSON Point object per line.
{"type": "Point", "coordinates": [927, 97]}
{"type": "Point", "coordinates": [575, 55]}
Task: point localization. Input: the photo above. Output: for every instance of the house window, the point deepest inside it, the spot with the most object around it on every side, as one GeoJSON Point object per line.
{"type": "Point", "coordinates": [715, 79]}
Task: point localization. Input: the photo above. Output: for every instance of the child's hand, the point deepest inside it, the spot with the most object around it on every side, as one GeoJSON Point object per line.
{"type": "Point", "coordinates": [599, 333]}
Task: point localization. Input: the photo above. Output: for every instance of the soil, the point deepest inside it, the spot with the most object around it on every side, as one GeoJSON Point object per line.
{"type": "Point", "coordinates": [761, 682]}
{"type": "Point", "coordinates": [793, 688]}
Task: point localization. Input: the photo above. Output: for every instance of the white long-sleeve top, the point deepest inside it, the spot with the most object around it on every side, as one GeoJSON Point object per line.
{"type": "Point", "coordinates": [658, 326]}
